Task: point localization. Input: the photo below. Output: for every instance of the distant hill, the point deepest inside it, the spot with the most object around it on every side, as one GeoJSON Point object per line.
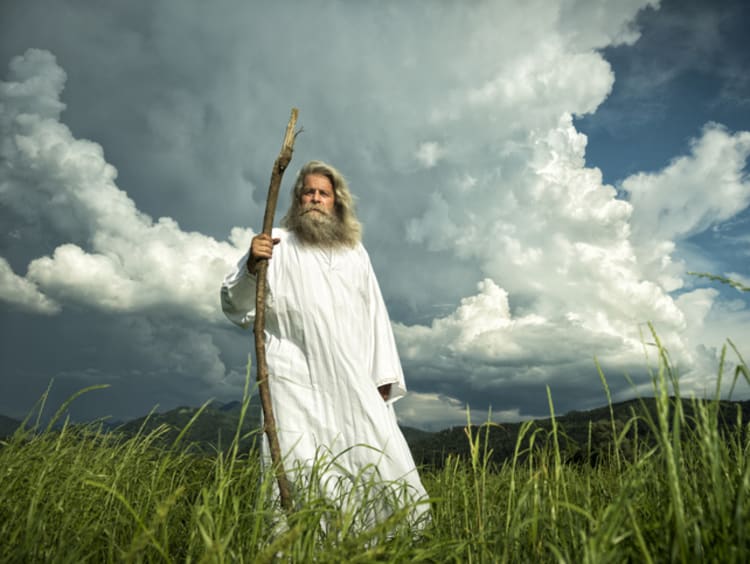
{"type": "Point", "coordinates": [218, 423]}
{"type": "Point", "coordinates": [413, 436]}
{"type": "Point", "coordinates": [215, 428]}
{"type": "Point", "coordinates": [573, 432]}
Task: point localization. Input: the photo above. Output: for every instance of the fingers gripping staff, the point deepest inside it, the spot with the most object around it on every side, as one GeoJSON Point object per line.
{"type": "Point", "coordinates": [261, 267]}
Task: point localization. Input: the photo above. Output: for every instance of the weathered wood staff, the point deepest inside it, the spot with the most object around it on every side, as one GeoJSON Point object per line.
{"type": "Point", "coordinates": [282, 161]}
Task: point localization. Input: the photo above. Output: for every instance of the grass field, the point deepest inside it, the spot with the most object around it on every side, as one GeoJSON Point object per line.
{"type": "Point", "coordinates": [73, 494]}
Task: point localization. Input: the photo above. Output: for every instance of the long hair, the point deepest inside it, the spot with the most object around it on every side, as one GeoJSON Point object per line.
{"type": "Point", "coordinates": [349, 229]}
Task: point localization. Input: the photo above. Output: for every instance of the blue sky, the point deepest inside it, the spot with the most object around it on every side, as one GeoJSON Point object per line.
{"type": "Point", "coordinates": [535, 182]}
{"type": "Point", "coordinates": [688, 68]}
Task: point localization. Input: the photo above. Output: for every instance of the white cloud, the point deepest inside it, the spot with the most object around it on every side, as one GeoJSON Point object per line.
{"type": "Point", "coordinates": [34, 87]}
{"type": "Point", "coordinates": [609, 22]}
{"type": "Point", "coordinates": [430, 411]}
{"type": "Point", "coordinates": [576, 258]}
{"type": "Point", "coordinates": [691, 194]}
{"type": "Point", "coordinates": [133, 263]}
{"type": "Point", "coordinates": [23, 293]}
{"type": "Point", "coordinates": [549, 231]}
{"type": "Point", "coordinates": [696, 305]}
{"type": "Point", "coordinates": [478, 327]}
{"type": "Point", "coordinates": [694, 191]}
{"type": "Point", "coordinates": [434, 412]}
{"type": "Point", "coordinates": [547, 82]}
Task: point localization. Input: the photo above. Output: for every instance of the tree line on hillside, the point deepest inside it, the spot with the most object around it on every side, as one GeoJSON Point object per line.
{"type": "Point", "coordinates": [583, 436]}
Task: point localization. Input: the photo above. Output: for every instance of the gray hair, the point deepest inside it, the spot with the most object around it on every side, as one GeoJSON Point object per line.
{"type": "Point", "coordinates": [343, 201]}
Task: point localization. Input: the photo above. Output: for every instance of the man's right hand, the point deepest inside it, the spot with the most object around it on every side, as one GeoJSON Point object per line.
{"type": "Point", "coordinates": [261, 247]}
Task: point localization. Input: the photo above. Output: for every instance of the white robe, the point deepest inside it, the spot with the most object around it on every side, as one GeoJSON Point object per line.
{"type": "Point", "coordinates": [329, 345]}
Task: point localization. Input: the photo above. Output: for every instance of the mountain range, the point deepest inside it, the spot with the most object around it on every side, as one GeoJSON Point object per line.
{"type": "Point", "coordinates": [582, 435]}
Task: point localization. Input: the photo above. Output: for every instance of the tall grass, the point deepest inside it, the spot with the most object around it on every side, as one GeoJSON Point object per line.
{"type": "Point", "coordinates": [673, 487]}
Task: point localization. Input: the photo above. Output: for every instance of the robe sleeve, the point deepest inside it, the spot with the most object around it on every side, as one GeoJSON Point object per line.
{"type": "Point", "coordinates": [386, 366]}
{"type": "Point", "coordinates": [238, 292]}
{"type": "Point", "coordinates": [238, 295]}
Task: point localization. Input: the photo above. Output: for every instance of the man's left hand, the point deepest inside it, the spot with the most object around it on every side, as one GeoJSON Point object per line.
{"type": "Point", "coordinates": [385, 391]}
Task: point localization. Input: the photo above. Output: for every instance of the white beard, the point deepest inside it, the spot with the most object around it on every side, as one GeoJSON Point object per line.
{"type": "Point", "coordinates": [319, 228]}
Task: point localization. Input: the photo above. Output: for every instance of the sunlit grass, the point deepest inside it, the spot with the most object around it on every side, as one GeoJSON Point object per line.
{"type": "Point", "coordinates": [79, 494]}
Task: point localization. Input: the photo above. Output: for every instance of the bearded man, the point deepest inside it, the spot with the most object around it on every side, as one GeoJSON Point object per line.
{"type": "Point", "coordinates": [334, 371]}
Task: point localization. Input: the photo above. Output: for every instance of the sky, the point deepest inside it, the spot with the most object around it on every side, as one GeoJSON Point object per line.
{"type": "Point", "coordinates": [537, 181]}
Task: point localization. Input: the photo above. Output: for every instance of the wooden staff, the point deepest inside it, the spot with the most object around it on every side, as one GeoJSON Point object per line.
{"type": "Point", "coordinates": [282, 161]}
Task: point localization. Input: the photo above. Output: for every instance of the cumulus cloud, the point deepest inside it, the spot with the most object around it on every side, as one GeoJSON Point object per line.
{"type": "Point", "coordinates": [430, 411]}
{"type": "Point", "coordinates": [434, 412]}
{"type": "Point", "coordinates": [587, 268]}
{"type": "Point", "coordinates": [130, 262]}
{"type": "Point", "coordinates": [547, 81]}
{"type": "Point", "coordinates": [587, 26]}
{"type": "Point", "coordinates": [695, 191]}
{"type": "Point", "coordinates": [551, 231]}
{"type": "Point", "coordinates": [23, 293]}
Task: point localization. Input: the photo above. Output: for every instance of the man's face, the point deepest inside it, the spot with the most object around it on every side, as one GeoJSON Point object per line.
{"type": "Point", "coordinates": [317, 192]}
